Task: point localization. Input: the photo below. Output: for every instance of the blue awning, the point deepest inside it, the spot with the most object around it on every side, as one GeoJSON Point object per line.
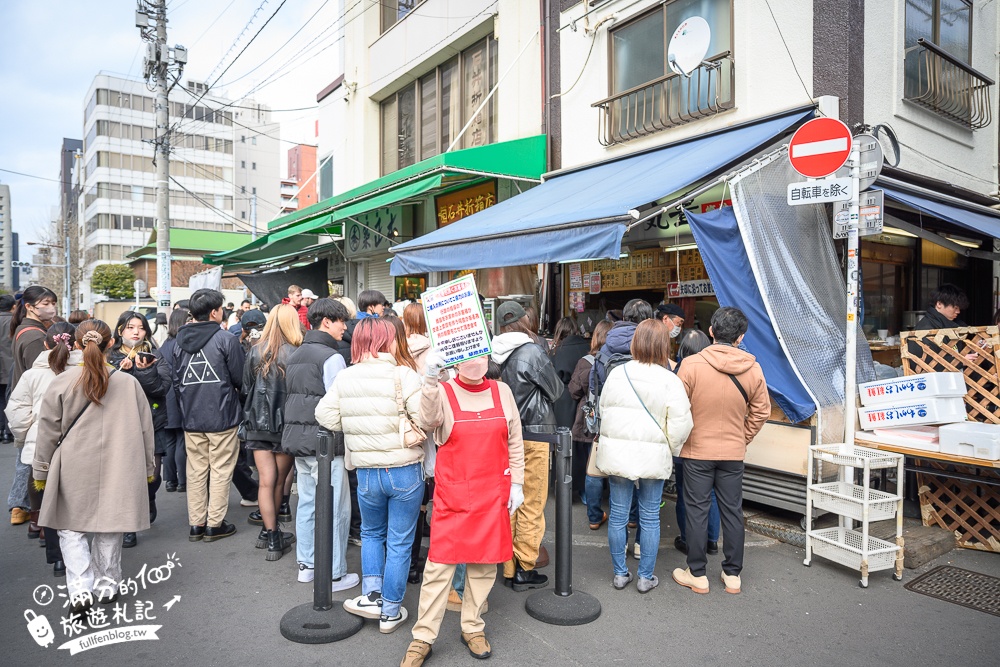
{"type": "Point", "coordinates": [983, 223]}
{"type": "Point", "coordinates": [718, 236]}
{"type": "Point", "coordinates": [582, 213]}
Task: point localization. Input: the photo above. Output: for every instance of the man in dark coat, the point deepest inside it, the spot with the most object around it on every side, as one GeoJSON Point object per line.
{"type": "Point", "coordinates": [948, 301]}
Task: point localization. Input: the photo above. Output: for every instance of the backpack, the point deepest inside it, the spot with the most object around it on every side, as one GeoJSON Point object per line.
{"type": "Point", "coordinates": [592, 406]}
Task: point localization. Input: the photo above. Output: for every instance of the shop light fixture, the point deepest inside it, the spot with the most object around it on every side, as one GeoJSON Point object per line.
{"type": "Point", "coordinates": [898, 232]}
{"type": "Point", "coordinates": [963, 241]}
{"type": "Point", "coordinates": [679, 247]}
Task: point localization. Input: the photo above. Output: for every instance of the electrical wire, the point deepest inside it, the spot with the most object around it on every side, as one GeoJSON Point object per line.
{"type": "Point", "coordinates": [246, 224]}
{"type": "Point", "coordinates": [788, 51]}
{"type": "Point", "coordinates": [939, 163]}
{"type": "Point", "coordinates": [205, 32]}
{"type": "Point", "coordinates": [242, 195]}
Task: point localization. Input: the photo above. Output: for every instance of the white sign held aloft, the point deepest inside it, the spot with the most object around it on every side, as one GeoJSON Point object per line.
{"type": "Point", "coordinates": [455, 321]}
{"type": "Point", "coordinates": [819, 191]}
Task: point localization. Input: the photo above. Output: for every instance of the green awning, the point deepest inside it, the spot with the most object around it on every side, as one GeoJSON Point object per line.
{"type": "Point", "coordinates": [520, 159]}
{"type": "Point", "coordinates": [197, 242]}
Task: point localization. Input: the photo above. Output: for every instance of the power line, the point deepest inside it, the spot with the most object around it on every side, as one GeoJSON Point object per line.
{"type": "Point", "coordinates": [788, 51]}
{"type": "Point", "coordinates": [215, 178]}
{"type": "Point", "coordinates": [219, 211]}
{"type": "Point", "coordinates": [205, 32]}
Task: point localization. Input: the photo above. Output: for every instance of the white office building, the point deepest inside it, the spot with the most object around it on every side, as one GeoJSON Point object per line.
{"type": "Point", "coordinates": [6, 239]}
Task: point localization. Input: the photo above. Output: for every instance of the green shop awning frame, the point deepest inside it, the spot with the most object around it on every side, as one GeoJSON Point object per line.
{"type": "Point", "coordinates": [193, 243]}
{"type": "Point", "coordinates": [315, 228]}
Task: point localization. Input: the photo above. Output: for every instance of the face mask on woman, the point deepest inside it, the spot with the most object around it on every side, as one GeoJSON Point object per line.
{"type": "Point", "coordinates": [44, 313]}
{"type": "Point", "coordinates": [474, 369]}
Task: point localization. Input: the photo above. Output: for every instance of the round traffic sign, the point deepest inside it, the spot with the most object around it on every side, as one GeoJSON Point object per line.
{"type": "Point", "coordinates": [820, 147]}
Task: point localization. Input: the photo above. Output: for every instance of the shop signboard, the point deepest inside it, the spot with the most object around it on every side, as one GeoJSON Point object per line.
{"type": "Point", "coordinates": [586, 281]}
{"type": "Point", "coordinates": [819, 192]}
{"type": "Point", "coordinates": [595, 282]}
{"type": "Point", "coordinates": [374, 232]}
{"type": "Point", "coordinates": [454, 206]}
{"type": "Point", "coordinates": [714, 205]}
{"type": "Point", "coordinates": [456, 324]}
{"type": "Point", "coordinates": [690, 288]}
{"type": "Point", "coordinates": [871, 215]}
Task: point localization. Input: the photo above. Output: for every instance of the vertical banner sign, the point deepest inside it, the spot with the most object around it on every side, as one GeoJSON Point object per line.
{"type": "Point", "coordinates": [455, 321]}
{"type": "Point", "coordinates": [163, 280]}
{"type": "Point", "coordinates": [575, 276]}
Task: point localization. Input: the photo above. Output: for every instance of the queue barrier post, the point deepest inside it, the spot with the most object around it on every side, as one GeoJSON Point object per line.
{"type": "Point", "coordinates": [321, 622]}
{"type": "Point", "coordinates": [562, 605]}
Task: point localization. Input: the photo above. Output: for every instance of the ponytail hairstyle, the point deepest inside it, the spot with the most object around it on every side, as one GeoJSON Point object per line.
{"type": "Point", "coordinates": [59, 340]}
{"type": "Point", "coordinates": [29, 297]}
{"type": "Point", "coordinates": [94, 336]}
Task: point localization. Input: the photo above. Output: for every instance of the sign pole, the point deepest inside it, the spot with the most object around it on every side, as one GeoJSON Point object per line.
{"type": "Point", "coordinates": [850, 385]}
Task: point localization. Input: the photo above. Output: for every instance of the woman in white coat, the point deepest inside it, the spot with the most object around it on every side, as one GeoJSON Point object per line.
{"type": "Point", "coordinates": [645, 419]}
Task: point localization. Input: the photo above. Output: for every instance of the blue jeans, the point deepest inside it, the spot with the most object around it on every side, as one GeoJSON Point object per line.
{"type": "Point", "coordinates": [713, 512]}
{"type": "Point", "coordinates": [458, 581]}
{"type": "Point", "coordinates": [593, 488]}
{"type": "Point", "coordinates": [390, 504]}
{"type": "Point", "coordinates": [18, 496]}
{"type": "Point", "coordinates": [307, 470]}
{"type": "Point", "coordinates": [649, 492]}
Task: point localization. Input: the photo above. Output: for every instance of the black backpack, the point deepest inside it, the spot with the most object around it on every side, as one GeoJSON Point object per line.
{"type": "Point", "coordinates": [592, 406]}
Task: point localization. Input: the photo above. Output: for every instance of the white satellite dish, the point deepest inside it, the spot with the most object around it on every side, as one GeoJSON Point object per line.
{"type": "Point", "coordinates": [689, 45]}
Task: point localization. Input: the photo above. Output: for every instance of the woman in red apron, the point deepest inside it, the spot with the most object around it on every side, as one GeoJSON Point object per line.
{"type": "Point", "coordinates": [477, 486]}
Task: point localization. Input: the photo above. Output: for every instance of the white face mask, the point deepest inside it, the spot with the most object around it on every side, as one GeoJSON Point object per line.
{"type": "Point", "coordinates": [675, 332]}
{"type": "Point", "coordinates": [45, 313]}
{"type": "Point", "coordinates": [127, 342]}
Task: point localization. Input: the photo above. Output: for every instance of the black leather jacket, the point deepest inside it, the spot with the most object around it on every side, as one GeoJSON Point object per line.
{"type": "Point", "coordinates": [264, 397]}
{"type": "Point", "coordinates": [532, 379]}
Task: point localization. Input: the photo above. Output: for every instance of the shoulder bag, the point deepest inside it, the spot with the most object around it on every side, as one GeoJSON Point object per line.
{"type": "Point", "coordinates": [65, 433]}
{"type": "Point", "coordinates": [659, 426]}
{"type": "Point", "coordinates": [410, 435]}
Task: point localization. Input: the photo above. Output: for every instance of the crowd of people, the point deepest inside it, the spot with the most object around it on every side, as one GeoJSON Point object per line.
{"type": "Point", "coordinates": [222, 393]}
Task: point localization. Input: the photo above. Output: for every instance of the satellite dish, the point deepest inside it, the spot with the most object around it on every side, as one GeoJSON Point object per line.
{"type": "Point", "coordinates": [689, 45]}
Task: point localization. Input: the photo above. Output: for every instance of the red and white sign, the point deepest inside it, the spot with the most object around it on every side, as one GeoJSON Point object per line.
{"type": "Point", "coordinates": [820, 147]}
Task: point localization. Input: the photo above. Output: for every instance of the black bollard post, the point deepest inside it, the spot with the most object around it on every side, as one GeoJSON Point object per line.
{"type": "Point", "coordinates": [563, 606]}
{"type": "Point", "coordinates": [321, 622]}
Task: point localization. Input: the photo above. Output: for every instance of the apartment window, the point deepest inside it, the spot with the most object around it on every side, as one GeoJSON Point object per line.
{"type": "Point", "coordinates": [253, 165]}
{"type": "Point", "coordinates": [243, 189]}
{"type": "Point", "coordinates": [423, 119]}
{"type": "Point", "coordinates": [243, 138]}
{"type": "Point", "coordinates": [253, 190]}
{"type": "Point", "coordinates": [393, 11]}
{"type": "Point", "coordinates": [243, 164]}
{"type": "Point", "coordinates": [253, 140]}
{"type": "Point", "coordinates": [947, 23]}
{"type": "Point", "coordinates": [326, 178]}
{"type": "Point", "coordinates": [243, 215]}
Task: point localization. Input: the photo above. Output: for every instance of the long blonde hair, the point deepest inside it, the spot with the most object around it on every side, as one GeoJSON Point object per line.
{"type": "Point", "coordinates": [282, 326]}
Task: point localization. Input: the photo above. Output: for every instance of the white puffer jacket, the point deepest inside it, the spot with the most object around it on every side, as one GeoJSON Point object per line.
{"type": "Point", "coordinates": [632, 443]}
{"type": "Point", "coordinates": [362, 404]}
{"type": "Point", "coordinates": [26, 399]}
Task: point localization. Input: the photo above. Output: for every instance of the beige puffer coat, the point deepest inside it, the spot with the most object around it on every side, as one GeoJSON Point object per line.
{"type": "Point", "coordinates": [26, 400]}
{"type": "Point", "coordinates": [362, 404]}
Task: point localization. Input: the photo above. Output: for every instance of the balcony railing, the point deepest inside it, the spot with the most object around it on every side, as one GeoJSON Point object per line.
{"type": "Point", "coordinates": [936, 80]}
{"type": "Point", "coordinates": [667, 102]}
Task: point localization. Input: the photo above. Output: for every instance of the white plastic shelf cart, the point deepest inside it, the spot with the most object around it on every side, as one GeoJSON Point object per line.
{"type": "Point", "coordinates": [844, 544]}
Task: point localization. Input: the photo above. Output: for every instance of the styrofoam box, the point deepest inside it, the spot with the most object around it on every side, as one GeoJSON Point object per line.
{"type": "Point", "coordinates": [913, 413]}
{"type": "Point", "coordinates": [912, 387]}
{"type": "Point", "coordinates": [913, 437]}
{"type": "Point", "coordinates": [980, 441]}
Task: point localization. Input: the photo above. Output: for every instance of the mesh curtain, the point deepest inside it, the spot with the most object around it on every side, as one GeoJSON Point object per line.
{"type": "Point", "coordinates": [801, 281]}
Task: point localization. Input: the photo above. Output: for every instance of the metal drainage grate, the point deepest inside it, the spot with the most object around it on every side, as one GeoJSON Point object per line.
{"type": "Point", "coordinates": [959, 586]}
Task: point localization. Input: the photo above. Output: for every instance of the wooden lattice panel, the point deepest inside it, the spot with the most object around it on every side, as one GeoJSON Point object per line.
{"type": "Point", "coordinates": [969, 509]}
{"type": "Point", "coordinates": [971, 351]}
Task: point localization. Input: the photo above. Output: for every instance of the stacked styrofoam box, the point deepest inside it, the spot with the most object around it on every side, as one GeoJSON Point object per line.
{"type": "Point", "coordinates": [914, 400]}
{"type": "Point", "coordinates": [972, 439]}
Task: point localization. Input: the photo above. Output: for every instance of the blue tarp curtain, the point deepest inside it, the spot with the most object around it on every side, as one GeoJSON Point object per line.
{"type": "Point", "coordinates": [982, 223]}
{"type": "Point", "coordinates": [582, 213]}
{"type": "Point", "coordinates": [718, 236]}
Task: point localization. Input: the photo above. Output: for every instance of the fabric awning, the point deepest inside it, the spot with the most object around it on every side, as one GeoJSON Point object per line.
{"type": "Point", "coordinates": [582, 213]}
{"type": "Point", "coordinates": [982, 223]}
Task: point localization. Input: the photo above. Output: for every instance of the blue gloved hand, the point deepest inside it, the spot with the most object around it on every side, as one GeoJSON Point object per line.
{"type": "Point", "coordinates": [516, 498]}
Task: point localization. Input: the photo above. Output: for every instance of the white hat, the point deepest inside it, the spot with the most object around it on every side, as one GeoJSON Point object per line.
{"type": "Point", "coordinates": [308, 294]}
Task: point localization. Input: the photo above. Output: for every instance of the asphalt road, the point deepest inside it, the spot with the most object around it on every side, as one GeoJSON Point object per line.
{"type": "Point", "coordinates": [232, 600]}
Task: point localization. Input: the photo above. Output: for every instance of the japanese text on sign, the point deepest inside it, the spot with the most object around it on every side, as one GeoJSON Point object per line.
{"type": "Point", "coordinates": [455, 320]}
{"type": "Point", "coordinates": [818, 192]}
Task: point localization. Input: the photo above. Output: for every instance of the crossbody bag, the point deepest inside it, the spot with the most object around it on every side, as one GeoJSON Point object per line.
{"type": "Point", "coordinates": [410, 435]}
{"type": "Point", "coordinates": [80, 414]}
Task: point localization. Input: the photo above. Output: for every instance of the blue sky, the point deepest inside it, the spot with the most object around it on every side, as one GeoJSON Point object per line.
{"type": "Point", "coordinates": [50, 51]}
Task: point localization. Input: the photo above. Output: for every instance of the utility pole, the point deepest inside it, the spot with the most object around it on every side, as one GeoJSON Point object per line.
{"type": "Point", "coordinates": [158, 64]}
{"type": "Point", "coordinates": [253, 221]}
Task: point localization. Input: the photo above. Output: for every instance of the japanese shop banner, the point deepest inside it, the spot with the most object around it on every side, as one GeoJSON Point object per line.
{"type": "Point", "coordinates": [455, 321]}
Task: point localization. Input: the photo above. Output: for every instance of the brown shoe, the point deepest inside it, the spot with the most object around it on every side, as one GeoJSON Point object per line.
{"type": "Point", "coordinates": [604, 519]}
{"type": "Point", "coordinates": [33, 528]}
{"type": "Point", "coordinates": [454, 602]}
{"type": "Point", "coordinates": [685, 578]}
{"type": "Point", "coordinates": [543, 557]}
{"type": "Point", "coordinates": [732, 582]}
{"type": "Point", "coordinates": [18, 516]}
{"type": "Point", "coordinates": [478, 646]}
{"type": "Point", "coordinates": [416, 653]}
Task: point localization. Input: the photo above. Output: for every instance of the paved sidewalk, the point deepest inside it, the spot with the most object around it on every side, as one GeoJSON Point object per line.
{"type": "Point", "coordinates": [232, 601]}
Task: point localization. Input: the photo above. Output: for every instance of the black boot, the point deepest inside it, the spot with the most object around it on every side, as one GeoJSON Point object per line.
{"type": "Point", "coordinates": [255, 519]}
{"type": "Point", "coordinates": [129, 540]}
{"type": "Point", "coordinates": [152, 510]}
{"type": "Point", "coordinates": [278, 544]}
{"type": "Point", "coordinates": [59, 568]}
{"type": "Point", "coordinates": [262, 539]}
{"type": "Point", "coordinates": [416, 565]}
{"type": "Point", "coordinates": [527, 579]}
{"type": "Point", "coordinates": [284, 512]}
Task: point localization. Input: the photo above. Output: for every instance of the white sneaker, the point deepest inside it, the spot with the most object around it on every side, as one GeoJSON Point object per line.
{"type": "Point", "coordinates": [248, 503]}
{"type": "Point", "coordinates": [635, 551]}
{"type": "Point", "coordinates": [365, 606]}
{"type": "Point", "coordinates": [346, 582]}
{"type": "Point", "coordinates": [387, 625]}
{"type": "Point", "coordinates": [306, 573]}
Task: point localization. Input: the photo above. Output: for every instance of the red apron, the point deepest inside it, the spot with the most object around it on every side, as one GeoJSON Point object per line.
{"type": "Point", "coordinates": [470, 522]}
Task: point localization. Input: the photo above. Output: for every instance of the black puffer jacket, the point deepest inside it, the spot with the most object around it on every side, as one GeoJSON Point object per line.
{"type": "Point", "coordinates": [564, 360]}
{"type": "Point", "coordinates": [264, 396]}
{"type": "Point", "coordinates": [207, 374]}
{"type": "Point", "coordinates": [304, 381]}
{"type": "Point", "coordinates": [166, 356]}
{"type": "Point", "coordinates": [527, 370]}
{"type": "Point", "coordinates": [154, 384]}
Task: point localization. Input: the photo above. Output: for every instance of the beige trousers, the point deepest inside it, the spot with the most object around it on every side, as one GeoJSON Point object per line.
{"type": "Point", "coordinates": [434, 591]}
{"type": "Point", "coordinates": [211, 458]}
{"type": "Point", "coordinates": [528, 523]}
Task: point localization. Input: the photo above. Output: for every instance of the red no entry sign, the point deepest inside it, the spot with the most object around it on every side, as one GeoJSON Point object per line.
{"type": "Point", "coordinates": [820, 147]}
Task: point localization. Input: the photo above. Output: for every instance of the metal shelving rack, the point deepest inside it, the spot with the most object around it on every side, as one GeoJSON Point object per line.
{"type": "Point", "coordinates": [853, 502]}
